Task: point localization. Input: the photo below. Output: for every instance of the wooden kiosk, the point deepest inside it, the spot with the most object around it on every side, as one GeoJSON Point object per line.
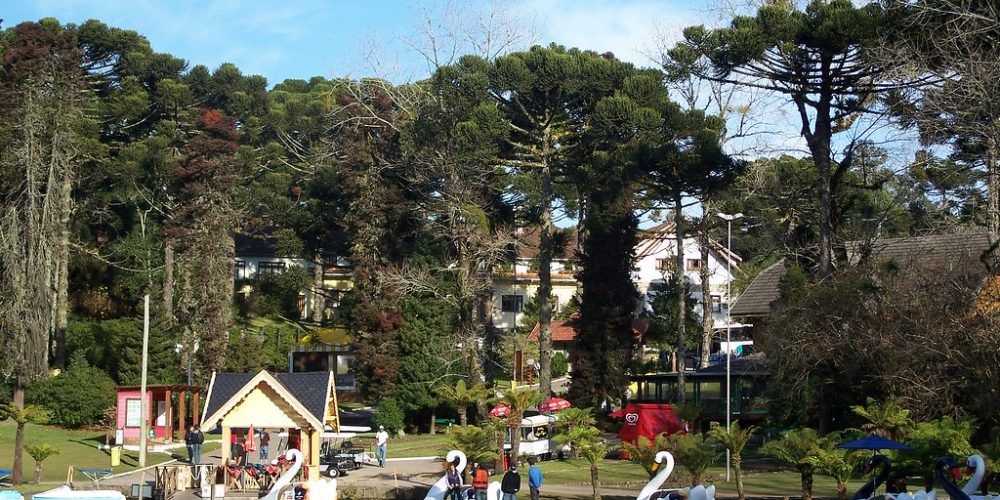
{"type": "Point", "coordinates": [303, 401]}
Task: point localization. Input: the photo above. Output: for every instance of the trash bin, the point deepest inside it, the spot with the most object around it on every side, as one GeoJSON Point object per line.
{"type": "Point", "coordinates": [116, 456]}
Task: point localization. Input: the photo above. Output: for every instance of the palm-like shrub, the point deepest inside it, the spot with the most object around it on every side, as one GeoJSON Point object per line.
{"type": "Point", "coordinates": [644, 451]}
{"type": "Point", "coordinates": [39, 454]}
{"type": "Point", "coordinates": [588, 444]}
{"type": "Point", "coordinates": [694, 453]}
{"type": "Point", "coordinates": [518, 400]}
{"type": "Point", "coordinates": [799, 449]}
{"type": "Point", "coordinates": [889, 420]}
{"type": "Point", "coordinates": [734, 439]}
{"type": "Point", "coordinates": [836, 463]}
{"type": "Point", "coordinates": [479, 444]}
{"type": "Point", "coordinates": [461, 396]}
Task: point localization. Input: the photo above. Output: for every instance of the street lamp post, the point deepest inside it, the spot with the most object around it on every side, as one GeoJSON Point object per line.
{"type": "Point", "coordinates": [729, 320]}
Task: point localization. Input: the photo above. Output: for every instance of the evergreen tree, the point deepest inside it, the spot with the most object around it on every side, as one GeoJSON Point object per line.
{"type": "Point", "coordinates": [819, 59]}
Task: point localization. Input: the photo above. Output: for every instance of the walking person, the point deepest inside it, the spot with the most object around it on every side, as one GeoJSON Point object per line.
{"type": "Point", "coordinates": [381, 445]}
{"type": "Point", "coordinates": [534, 479]}
{"type": "Point", "coordinates": [454, 480]}
{"type": "Point", "coordinates": [480, 482]}
{"type": "Point", "coordinates": [197, 439]}
{"type": "Point", "coordinates": [510, 484]}
{"type": "Point", "coordinates": [265, 442]}
{"type": "Point", "coordinates": [189, 443]}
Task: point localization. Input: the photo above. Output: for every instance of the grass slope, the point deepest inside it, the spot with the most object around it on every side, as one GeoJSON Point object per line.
{"type": "Point", "coordinates": [77, 448]}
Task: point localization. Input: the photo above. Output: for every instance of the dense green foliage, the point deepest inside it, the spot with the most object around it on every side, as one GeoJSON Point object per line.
{"type": "Point", "coordinates": [126, 172]}
{"type": "Point", "coordinates": [78, 397]}
{"type": "Point", "coordinates": [389, 414]}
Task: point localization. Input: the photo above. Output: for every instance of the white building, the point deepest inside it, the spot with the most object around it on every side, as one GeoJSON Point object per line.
{"type": "Point", "coordinates": [517, 285]}
{"type": "Point", "coordinates": [256, 258]}
{"type": "Point", "coordinates": [656, 255]}
{"type": "Point", "coordinates": [655, 252]}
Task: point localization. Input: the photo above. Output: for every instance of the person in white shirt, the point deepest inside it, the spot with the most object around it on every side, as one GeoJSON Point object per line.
{"type": "Point", "coordinates": [381, 445]}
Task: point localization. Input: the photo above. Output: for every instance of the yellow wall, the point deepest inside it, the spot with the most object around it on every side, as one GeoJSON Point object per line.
{"type": "Point", "coordinates": [342, 284]}
{"type": "Point", "coordinates": [262, 408]}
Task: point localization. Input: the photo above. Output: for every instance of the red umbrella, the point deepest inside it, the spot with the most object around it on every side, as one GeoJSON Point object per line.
{"type": "Point", "coordinates": [248, 442]}
{"type": "Point", "coordinates": [620, 413]}
{"type": "Point", "coordinates": [553, 404]}
{"type": "Point", "coordinates": [500, 410]}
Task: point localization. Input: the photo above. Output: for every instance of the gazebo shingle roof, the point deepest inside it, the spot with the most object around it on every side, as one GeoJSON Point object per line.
{"type": "Point", "coordinates": [757, 298]}
{"type": "Point", "coordinates": [310, 388]}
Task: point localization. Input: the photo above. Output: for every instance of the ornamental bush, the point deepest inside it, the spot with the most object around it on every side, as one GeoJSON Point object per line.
{"type": "Point", "coordinates": [389, 414]}
{"type": "Point", "coordinates": [77, 397]}
{"type": "Point", "coordinates": [559, 365]}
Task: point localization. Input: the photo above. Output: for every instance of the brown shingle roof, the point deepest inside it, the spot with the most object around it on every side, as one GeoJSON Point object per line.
{"type": "Point", "coordinates": [757, 298]}
{"type": "Point", "coordinates": [927, 249]}
{"type": "Point", "coordinates": [939, 249]}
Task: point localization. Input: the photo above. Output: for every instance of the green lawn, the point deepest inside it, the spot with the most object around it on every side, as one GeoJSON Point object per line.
{"type": "Point", "coordinates": [410, 446]}
{"type": "Point", "coordinates": [629, 475]}
{"type": "Point", "coordinates": [76, 448]}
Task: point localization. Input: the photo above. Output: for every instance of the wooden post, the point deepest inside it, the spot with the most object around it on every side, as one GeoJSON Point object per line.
{"type": "Point", "coordinates": [182, 414]}
{"type": "Point", "coordinates": [168, 409]}
{"type": "Point", "coordinates": [314, 445]}
{"type": "Point", "coordinates": [195, 412]}
{"type": "Point", "coordinates": [144, 410]}
{"type": "Point", "coordinates": [226, 442]}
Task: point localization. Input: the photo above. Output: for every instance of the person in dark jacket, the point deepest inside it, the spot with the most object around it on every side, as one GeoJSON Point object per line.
{"type": "Point", "coordinates": [454, 480]}
{"type": "Point", "coordinates": [510, 484]}
{"type": "Point", "coordinates": [189, 442]}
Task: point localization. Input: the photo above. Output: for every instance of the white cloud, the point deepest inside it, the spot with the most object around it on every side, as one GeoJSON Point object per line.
{"type": "Point", "coordinates": [629, 29]}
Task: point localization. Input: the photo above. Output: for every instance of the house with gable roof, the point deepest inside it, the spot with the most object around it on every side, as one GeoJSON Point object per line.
{"type": "Point", "coordinates": [304, 404]}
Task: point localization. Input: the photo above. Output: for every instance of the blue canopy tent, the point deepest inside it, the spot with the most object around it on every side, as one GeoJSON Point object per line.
{"type": "Point", "coordinates": [874, 442]}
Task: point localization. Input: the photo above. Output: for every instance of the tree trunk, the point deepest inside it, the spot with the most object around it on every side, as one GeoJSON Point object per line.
{"type": "Point", "coordinates": [38, 472]}
{"type": "Point", "coordinates": [993, 192]}
{"type": "Point", "coordinates": [595, 482]}
{"type": "Point", "coordinates": [62, 273]}
{"type": "Point", "coordinates": [433, 422]}
{"type": "Point", "coordinates": [168, 281]}
{"type": "Point", "coordinates": [707, 319]}
{"type": "Point", "coordinates": [807, 484]}
{"type": "Point", "coordinates": [545, 289]}
{"type": "Point", "coordinates": [736, 462]}
{"type": "Point", "coordinates": [317, 291]}
{"type": "Point", "coordinates": [463, 415]}
{"type": "Point", "coordinates": [515, 439]}
{"type": "Point", "coordinates": [679, 277]}
{"type": "Point", "coordinates": [16, 470]}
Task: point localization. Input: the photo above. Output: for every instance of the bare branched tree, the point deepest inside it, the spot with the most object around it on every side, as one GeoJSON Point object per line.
{"type": "Point", "coordinates": [955, 44]}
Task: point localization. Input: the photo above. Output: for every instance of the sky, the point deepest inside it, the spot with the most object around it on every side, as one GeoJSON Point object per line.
{"type": "Point", "coordinates": [305, 38]}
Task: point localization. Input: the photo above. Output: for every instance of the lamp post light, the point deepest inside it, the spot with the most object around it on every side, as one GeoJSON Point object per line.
{"type": "Point", "coordinates": [729, 320]}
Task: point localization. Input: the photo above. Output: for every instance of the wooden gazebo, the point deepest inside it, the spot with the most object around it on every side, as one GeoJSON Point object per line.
{"type": "Point", "coordinates": [160, 410]}
{"type": "Point", "coordinates": [303, 401]}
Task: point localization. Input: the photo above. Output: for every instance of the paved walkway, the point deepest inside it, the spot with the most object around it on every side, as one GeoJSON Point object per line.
{"type": "Point", "coordinates": [401, 478]}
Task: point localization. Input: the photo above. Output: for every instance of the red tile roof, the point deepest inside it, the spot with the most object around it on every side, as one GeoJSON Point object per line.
{"type": "Point", "coordinates": [562, 331]}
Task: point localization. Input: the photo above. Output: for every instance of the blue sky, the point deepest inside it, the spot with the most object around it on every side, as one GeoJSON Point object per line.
{"type": "Point", "coordinates": [304, 38]}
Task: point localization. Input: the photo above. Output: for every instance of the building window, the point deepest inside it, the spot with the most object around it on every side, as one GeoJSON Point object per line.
{"type": "Point", "coordinates": [270, 268]}
{"type": "Point", "coordinates": [241, 270]}
{"type": "Point", "coordinates": [512, 303]}
{"type": "Point", "coordinates": [693, 264]}
{"type": "Point", "coordinates": [717, 304]}
{"type": "Point", "coordinates": [662, 264]}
